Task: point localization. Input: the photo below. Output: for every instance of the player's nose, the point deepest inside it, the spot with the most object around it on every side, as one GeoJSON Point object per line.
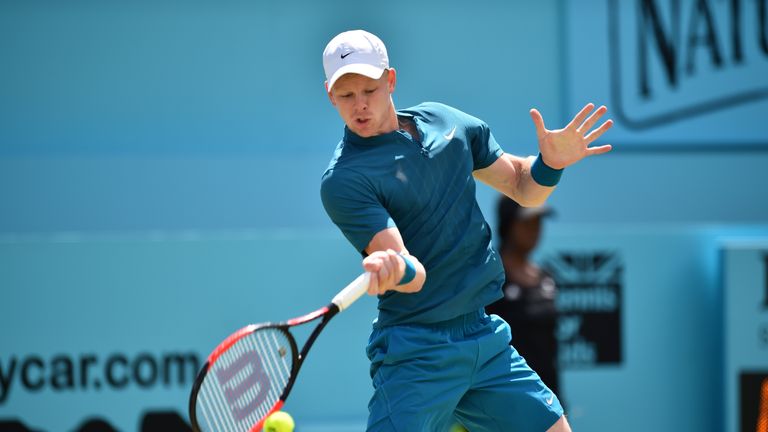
{"type": "Point", "coordinates": [361, 102]}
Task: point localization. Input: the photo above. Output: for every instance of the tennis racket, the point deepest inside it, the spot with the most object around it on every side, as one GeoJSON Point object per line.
{"type": "Point", "coordinates": [250, 374]}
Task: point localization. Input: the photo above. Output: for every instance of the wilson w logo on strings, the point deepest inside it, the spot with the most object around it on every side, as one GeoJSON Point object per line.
{"type": "Point", "coordinates": [246, 384]}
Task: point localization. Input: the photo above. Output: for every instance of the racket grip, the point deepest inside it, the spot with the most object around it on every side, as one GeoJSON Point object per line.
{"type": "Point", "coordinates": [352, 292]}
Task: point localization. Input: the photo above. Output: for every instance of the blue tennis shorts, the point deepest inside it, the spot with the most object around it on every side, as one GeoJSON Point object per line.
{"type": "Point", "coordinates": [427, 376]}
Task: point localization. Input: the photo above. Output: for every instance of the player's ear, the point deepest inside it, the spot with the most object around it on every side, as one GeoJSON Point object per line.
{"type": "Point", "coordinates": [391, 79]}
{"type": "Point", "coordinates": [330, 95]}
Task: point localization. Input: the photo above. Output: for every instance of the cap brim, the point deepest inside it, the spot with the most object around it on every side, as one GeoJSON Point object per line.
{"type": "Point", "coordinates": [372, 72]}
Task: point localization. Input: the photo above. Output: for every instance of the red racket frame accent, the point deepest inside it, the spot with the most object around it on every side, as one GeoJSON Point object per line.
{"type": "Point", "coordinates": [236, 336]}
{"type": "Point", "coordinates": [342, 300]}
{"type": "Point", "coordinates": [228, 342]}
{"type": "Point", "coordinates": [308, 317]}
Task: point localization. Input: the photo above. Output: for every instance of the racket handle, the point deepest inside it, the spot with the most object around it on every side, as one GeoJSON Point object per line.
{"type": "Point", "coordinates": [352, 292]}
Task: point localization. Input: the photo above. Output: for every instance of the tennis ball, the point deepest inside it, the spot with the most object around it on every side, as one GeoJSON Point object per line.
{"type": "Point", "coordinates": [279, 421]}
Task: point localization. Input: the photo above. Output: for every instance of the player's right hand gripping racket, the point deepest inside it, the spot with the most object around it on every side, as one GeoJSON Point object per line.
{"type": "Point", "coordinates": [250, 374]}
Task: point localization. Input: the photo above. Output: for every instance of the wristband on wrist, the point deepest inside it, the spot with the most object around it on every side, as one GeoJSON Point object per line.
{"type": "Point", "coordinates": [410, 271]}
{"type": "Point", "coordinates": [544, 174]}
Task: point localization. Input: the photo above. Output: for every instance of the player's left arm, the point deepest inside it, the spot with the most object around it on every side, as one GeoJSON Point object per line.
{"type": "Point", "coordinates": [511, 175]}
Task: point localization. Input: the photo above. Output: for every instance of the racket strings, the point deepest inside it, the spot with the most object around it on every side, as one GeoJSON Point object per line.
{"type": "Point", "coordinates": [246, 381]}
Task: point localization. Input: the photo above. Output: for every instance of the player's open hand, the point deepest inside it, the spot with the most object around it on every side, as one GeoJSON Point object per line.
{"type": "Point", "coordinates": [386, 268]}
{"type": "Point", "coordinates": [563, 147]}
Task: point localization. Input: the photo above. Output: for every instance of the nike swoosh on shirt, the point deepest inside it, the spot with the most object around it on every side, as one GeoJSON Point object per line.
{"type": "Point", "coordinates": [449, 135]}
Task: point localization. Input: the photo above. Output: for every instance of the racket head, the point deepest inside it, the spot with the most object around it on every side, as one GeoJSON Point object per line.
{"type": "Point", "coordinates": [244, 379]}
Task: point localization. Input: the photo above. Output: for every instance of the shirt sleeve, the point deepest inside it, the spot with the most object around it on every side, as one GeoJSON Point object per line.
{"type": "Point", "coordinates": [352, 204]}
{"type": "Point", "coordinates": [485, 149]}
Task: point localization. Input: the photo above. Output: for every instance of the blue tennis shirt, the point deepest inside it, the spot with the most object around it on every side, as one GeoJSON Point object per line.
{"type": "Point", "coordinates": [424, 188]}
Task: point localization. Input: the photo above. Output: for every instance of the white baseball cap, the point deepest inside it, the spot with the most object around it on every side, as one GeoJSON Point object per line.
{"type": "Point", "coordinates": [354, 51]}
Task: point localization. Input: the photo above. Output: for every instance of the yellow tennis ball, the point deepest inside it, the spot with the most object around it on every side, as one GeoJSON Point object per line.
{"type": "Point", "coordinates": [279, 421]}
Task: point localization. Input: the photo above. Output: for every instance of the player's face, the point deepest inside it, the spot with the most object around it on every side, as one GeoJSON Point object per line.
{"type": "Point", "coordinates": [365, 104]}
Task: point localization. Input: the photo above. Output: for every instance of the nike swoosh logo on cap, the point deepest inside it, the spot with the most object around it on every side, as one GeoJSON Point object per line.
{"type": "Point", "coordinates": [449, 135]}
{"type": "Point", "coordinates": [343, 56]}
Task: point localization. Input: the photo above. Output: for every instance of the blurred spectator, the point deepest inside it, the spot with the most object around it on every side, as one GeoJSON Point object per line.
{"type": "Point", "coordinates": [14, 425]}
{"type": "Point", "coordinates": [164, 421]}
{"type": "Point", "coordinates": [96, 425]}
{"type": "Point", "coordinates": [529, 292]}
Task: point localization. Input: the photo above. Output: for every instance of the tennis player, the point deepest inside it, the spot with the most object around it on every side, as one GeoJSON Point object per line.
{"type": "Point", "coordinates": [401, 187]}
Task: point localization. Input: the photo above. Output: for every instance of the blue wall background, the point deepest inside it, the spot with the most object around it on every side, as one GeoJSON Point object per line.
{"type": "Point", "coordinates": [168, 127]}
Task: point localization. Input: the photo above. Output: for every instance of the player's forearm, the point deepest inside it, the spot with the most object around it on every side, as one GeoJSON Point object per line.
{"type": "Point", "coordinates": [511, 175]}
{"type": "Point", "coordinates": [529, 192]}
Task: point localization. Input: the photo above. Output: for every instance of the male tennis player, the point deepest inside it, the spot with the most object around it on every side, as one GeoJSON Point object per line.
{"type": "Point", "coordinates": [401, 188]}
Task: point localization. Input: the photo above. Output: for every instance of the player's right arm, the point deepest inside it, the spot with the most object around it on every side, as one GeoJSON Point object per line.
{"type": "Point", "coordinates": [386, 263]}
{"type": "Point", "coordinates": [354, 207]}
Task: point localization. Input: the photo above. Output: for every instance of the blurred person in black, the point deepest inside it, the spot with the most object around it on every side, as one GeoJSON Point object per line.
{"type": "Point", "coordinates": [528, 304]}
